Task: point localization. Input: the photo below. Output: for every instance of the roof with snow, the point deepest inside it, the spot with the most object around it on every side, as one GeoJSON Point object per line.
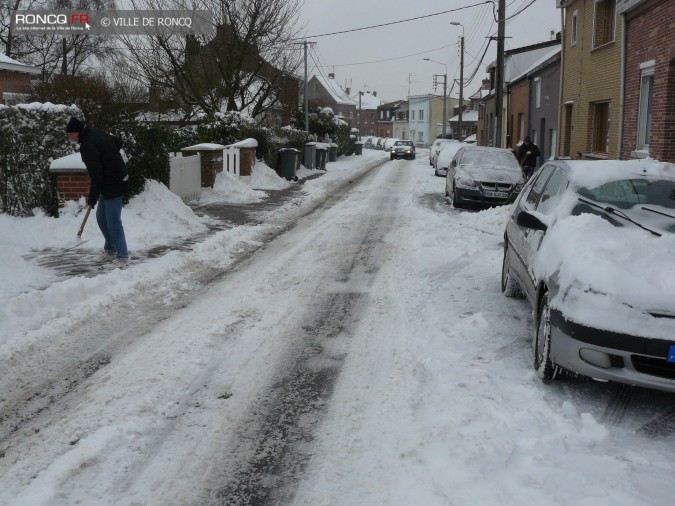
{"type": "Point", "coordinates": [368, 101]}
{"type": "Point", "coordinates": [466, 116]}
{"type": "Point", "coordinates": [335, 90]}
{"type": "Point", "coordinates": [7, 63]}
{"type": "Point", "coordinates": [549, 55]}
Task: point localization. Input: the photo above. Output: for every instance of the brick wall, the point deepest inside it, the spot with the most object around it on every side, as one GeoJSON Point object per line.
{"type": "Point", "coordinates": [13, 82]}
{"type": "Point", "coordinates": [650, 36]}
{"type": "Point", "coordinates": [71, 185]}
{"type": "Point", "coordinates": [247, 161]}
{"type": "Point", "coordinates": [590, 75]}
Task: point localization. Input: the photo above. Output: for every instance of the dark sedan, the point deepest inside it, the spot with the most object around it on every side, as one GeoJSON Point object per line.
{"type": "Point", "coordinates": [590, 244]}
{"type": "Point", "coordinates": [483, 175]}
{"type": "Point", "coordinates": [403, 149]}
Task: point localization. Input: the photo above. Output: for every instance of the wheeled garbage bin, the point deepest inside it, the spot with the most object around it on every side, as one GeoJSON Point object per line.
{"type": "Point", "coordinates": [321, 157]}
{"type": "Point", "coordinates": [332, 152]}
{"type": "Point", "coordinates": [309, 159]}
{"type": "Point", "coordinates": [358, 148]}
{"type": "Point", "coordinates": [287, 163]}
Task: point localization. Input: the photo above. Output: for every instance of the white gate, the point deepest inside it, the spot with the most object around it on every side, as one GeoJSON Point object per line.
{"type": "Point", "coordinates": [185, 178]}
{"type": "Point", "coordinates": [231, 160]}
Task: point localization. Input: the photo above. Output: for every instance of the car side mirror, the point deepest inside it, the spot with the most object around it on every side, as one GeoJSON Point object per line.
{"type": "Point", "coordinates": [530, 221]}
{"type": "Point", "coordinates": [454, 163]}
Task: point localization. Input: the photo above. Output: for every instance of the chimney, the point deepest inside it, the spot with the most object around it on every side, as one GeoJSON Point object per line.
{"type": "Point", "coordinates": [374, 93]}
{"type": "Point", "coordinates": [331, 76]}
{"type": "Point", "coordinates": [348, 91]}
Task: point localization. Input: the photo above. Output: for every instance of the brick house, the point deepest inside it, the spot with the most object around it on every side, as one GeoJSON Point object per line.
{"type": "Point", "coordinates": [591, 80]}
{"type": "Point", "coordinates": [385, 118]}
{"type": "Point", "coordinates": [533, 103]}
{"type": "Point", "coordinates": [399, 122]}
{"type": "Point", "coordinates": [15, 80]}
{"type": "Point", "coordinates": [515, 62]}
{"type": "Point", "coordinates": [327, 92]}
{"type": "Point", "coordinates": [649, 79]}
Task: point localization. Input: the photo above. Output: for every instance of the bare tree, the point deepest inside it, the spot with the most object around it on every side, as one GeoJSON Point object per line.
{"type": "Point", "coordinates": [241, 66]}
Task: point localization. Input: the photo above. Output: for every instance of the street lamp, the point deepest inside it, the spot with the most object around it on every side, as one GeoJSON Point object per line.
{"type": "Point", "coordinates": [445, 87]}
{"type": "Point", "coordinates": [461, 76]}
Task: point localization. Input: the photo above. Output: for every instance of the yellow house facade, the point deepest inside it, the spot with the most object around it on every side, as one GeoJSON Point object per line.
{"type": "Point", "coordinates": [590, 105]}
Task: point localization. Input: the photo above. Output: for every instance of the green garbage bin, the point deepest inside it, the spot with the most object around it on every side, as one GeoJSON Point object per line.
{"type": "Point", "coordinates": [332, 152]}
{"type": "Point", "coordinates": [309, 160]}
{"type": "Point", "coordinates": [287, 163]}
{"type": "Point", "coordinates": [358, 148]}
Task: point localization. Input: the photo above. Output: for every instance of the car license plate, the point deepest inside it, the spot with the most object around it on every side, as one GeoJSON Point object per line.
{"type": "Point", "coordinates": [496, 195]}
{"type": "Point", "coordinates": [671, 353]}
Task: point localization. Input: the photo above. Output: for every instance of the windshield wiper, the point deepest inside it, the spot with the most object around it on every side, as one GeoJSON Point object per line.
{"type": "Point", "coordinates": [618, 212]}
{"type": "Point", "coordinates": [658, 212]}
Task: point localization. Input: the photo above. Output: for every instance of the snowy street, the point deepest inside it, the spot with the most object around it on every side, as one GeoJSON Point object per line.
{"type": "Point", "coordinates": [351, 347]}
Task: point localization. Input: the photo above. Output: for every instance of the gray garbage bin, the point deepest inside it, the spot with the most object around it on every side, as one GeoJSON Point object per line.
{"type": "Point", "coordinates": [321, 157]}
{"type": "Point", "coordinates": [310, 155]}
{"type": "Point", "coordinates": [287, 162]}
{"type": "Point", "coordinates": [358, 148]}
{"type": "Point", "coordinates": [332, 152]}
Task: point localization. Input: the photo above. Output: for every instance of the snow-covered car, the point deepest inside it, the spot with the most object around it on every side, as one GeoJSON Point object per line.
{"type": "Point", "coordinates": [402, 149]}
{"type": "Point", "coordinates": [471, 139]}
{"type": "Point", "coordinates": [484, 176]}
{"type": "Point", "coordinates": [436, 148]}
{"type": "Point", "coordinates": [590, 244]}
{"type": "Point", "coordinates": [380, 143]}
{"type": "Point", "coordinates": [446, 153]}
{"type": "Point", "coordinates": [369, 142]}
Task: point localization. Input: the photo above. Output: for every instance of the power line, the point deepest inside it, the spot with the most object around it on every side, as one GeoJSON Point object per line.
{"type": "Point", "coordinates": [391, 59]}
{"type": "Point", "coordinates": [396, 22]}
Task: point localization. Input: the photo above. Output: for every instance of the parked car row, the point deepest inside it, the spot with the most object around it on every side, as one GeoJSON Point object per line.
{"type": "Point", "coordinates": [384, 143]}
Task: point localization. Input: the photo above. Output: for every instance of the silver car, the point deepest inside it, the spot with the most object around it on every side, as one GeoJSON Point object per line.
{"type": "Point", "coordinates": [484, 176]}
{"type": "Point", "coordinates": [590, 243]}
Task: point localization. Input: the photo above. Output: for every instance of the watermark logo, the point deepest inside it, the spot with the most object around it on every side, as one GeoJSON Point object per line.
{"type": "Point", "coordinates": [111, 23]}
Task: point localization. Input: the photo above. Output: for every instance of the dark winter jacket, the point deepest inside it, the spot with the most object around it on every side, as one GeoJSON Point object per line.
{"type": "Point", "coordinates": [106, 168]}
{"type": "Point", "coordinates": [525, 159]}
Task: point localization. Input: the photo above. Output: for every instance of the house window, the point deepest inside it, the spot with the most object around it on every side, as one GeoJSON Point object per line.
{"type": "Point", "coordinates": [537, 92]}
{"type": "Point", "coordinates": [412, 115]}
{"type": "Point", "coordinates": [603, 31]}
{"type": "Point", "coordinates": [420, 136]}
{"type": "Point", "coordinates": [381, 114]}
{"type": "Point", "coordinates": [421, 115]}
{"type": "Point", "coordinates": [645, 111]}
{"type": "Point", "coordinates": [601, 118]}
{"type": "Point", "coordinates": [573, 40]}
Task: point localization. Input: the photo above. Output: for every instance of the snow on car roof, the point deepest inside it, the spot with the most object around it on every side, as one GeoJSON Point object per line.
{"type": "Point", "coordinates": [593, 173]}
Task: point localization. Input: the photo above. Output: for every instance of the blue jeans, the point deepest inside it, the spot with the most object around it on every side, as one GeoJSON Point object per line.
{"type": "Point", "coordinates": [109, 218]}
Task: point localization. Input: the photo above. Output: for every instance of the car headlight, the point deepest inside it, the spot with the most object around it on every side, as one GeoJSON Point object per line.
{"type": "Point", "coordinates": [518, 187]}
{"type": "Point", "coordinates": [408, 151]}
{"type": "Point", "coordinates": [393, 151]}
{"type": "Point", "coordinates": [465, 182]}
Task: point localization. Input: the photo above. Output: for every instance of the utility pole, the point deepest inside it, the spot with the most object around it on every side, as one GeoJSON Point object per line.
{"type": "Point", "coordinates": [360, 95]}
{"type": "Point", "coordinates": [499, 74]}
{"type": "Point", "coordinates": [461, 86]}
{"type": "Point", "coordinates": [306, 99]}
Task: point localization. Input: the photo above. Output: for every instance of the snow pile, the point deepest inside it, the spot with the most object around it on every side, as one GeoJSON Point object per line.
{"type": "Point", "coordinates": [229, 188]}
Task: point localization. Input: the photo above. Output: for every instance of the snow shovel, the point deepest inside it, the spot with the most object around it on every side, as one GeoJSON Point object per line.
{"type": "Point", "coordinates": [79, 240]}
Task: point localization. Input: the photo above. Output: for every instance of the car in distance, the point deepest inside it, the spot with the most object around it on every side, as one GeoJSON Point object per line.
{"type": "Point", "coordinates": [436, 148]}
{"type": "Point", "coordinates": [445, 156]}
{"type": "Point", "coordinates": [483, 175]}
{"type": "Point", "coordinates": [402, 149]}
{"type": "Point", "coordinates": [590, 244]}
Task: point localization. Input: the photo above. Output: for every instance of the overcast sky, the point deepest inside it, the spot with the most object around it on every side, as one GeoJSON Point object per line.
{"type": "Point", "coordinates": [389, 59]}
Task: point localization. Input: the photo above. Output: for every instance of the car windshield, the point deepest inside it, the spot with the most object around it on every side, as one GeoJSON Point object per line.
{"type": "Point", "coordinates": [403, 143]}
{"type": "Point", "coordinates": [627, 193]}
{"type": "Point", "coordinates": [488, 158]}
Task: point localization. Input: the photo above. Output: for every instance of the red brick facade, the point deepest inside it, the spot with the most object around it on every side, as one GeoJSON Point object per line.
{"type": "Point", "coordinates": [247, 161]}
{"type": "Point", "coordinates": [518, 120]}
{"type": "Point", "coordinates": [71, 185]}
{"type": "Point", "coordinates": [650, 36]}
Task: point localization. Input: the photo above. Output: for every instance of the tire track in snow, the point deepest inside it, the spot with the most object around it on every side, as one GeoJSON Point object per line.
{"type": "Point", "coordinates": [275, 444]}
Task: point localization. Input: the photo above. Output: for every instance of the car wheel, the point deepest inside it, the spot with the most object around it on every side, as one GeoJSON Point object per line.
{"type": "Point", "coordinates": [455, 197]}
{"type": "Point", "coordinates": [510, 286]}
{"type": "Point", "coordinates": [546, 369]}
{"type": "Point", "coordinates": [446, 193]}
{"type": "Point", "coordinates": [391, 158]}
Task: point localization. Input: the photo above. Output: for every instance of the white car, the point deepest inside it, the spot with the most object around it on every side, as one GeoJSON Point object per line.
{"type": "Point", "coordinates": [436, 148]}
{"type": "Point", "coordinates": [445, 155]}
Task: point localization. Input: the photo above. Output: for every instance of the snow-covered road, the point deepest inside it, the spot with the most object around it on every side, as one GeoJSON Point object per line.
{"type": "Point", "coordinates": [359, 354]}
